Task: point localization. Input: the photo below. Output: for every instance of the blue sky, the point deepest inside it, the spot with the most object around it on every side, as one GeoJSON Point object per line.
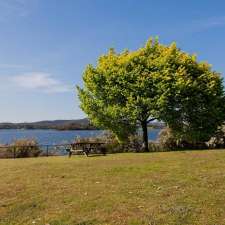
{"type": "Point", "coordinates": [46, 44]}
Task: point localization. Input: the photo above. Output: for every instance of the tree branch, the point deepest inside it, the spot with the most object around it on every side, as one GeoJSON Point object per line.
{"type": "Point", "coordinates": [150, 120]}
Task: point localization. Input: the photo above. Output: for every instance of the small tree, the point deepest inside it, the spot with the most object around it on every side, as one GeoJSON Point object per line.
{"type": "Point", "coordinates": [130, 89]}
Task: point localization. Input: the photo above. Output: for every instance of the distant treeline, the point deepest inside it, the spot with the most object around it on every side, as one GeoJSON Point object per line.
{"type": "Point", "coordinates": [81, 124]}
{"type": "Point", "coordinates": [157, 125]}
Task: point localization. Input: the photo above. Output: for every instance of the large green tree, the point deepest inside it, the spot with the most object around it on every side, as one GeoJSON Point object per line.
{"type": "Point", "coordinates": [130, 89]}
{"type": "Point", "coordinates": [192, 100]}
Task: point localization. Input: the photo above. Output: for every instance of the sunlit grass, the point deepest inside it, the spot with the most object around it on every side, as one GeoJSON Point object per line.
{"type": "Point", "coordinates": [129, 189]}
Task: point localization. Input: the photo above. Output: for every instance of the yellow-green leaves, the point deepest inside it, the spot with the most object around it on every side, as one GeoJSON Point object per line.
{"type": "Point", "coordinates": [156, 81]}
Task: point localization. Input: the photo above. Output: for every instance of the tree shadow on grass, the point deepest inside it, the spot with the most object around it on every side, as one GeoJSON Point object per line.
{"type": "Point", "coordinates": [87, 222]}
{"type": "Point", "coordinates": [96, 155]}
{"type": "Point", "coordinates": [84, 222]}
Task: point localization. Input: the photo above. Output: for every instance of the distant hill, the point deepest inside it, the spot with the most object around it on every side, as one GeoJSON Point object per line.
{"type": "Point", "coordinates": [157, 125]}
{"type": "Point", "coordinates": [80, 124]}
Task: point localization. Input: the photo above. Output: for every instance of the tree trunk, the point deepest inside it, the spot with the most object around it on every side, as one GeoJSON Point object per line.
{"type": "Point", "coordinates": [144, 125]}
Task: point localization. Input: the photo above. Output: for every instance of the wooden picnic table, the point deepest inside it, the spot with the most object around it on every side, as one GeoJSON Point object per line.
{"type": "Point", "coordinates": [87, 148]}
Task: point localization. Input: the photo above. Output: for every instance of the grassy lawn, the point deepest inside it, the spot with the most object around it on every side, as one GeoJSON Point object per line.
{"type": "Point", "coordinates": [129, 189]}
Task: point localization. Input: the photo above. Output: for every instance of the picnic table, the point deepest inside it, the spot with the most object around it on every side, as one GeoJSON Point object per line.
{"type": "Point", "coordinates": [87, 148]}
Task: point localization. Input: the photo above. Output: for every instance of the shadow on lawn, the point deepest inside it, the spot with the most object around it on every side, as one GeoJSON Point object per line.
{"type": "Point", "coordinates": [87, 222]}
{"type": "Point", "coordinates": [96, 155]}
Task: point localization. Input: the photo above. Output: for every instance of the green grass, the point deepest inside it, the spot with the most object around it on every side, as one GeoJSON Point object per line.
{"type": "Point", "coordinates": [129, 189]}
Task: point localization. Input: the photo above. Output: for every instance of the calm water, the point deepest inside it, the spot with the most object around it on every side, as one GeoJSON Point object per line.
{"type": "Point", "coordinates": [49, 137]}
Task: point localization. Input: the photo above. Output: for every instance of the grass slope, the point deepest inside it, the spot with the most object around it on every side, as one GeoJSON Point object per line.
{"type": "Point", "coordinates": [129, 189]}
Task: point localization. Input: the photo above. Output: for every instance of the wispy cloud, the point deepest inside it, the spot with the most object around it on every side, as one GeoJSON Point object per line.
{"type": "Point", "coordinates": [205, 24]}
{"type": "Point", "coordinates": [11, 66]}
{"type": "Point", "coordinates": [212, 22]}
{"type": "Point", "coordinates": [43, 82]}
{"type": "Point", "coordinates": [198, 26]}
{"type": "Point", "coordinates": [15, 8]}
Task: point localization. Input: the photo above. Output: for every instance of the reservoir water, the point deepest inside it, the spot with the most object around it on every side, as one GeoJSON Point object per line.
{"type": "Point", "coordinates": [51, 137]}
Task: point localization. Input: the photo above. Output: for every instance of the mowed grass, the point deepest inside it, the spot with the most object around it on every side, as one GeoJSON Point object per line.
{"type": "Point", "coordinates": [126, 189]}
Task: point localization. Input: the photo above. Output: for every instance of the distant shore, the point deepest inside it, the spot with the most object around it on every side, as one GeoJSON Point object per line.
{"type": "Point", "coordinates": [41, 128]}
{"type": "Point", "coordinates": [80, 124]}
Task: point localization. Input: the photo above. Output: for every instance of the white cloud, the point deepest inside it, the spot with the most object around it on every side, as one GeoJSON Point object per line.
{"type": "Point", "coordinates": [44, 82]}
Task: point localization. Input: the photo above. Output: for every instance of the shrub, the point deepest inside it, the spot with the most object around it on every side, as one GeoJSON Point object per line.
{"type": "Point", "coordinates": [112, 145]}
{"type": "Point", "coordinates": [132, 144]}
{"type": "Point", "coordinates": [22, 148]}
{"type": "Point", "coordinates": [111, 142]}
{"type": "Point", "coordinates": [5, 152]}
{"type": "Point", "coordinates": [166, 140]}
{"type": "Point", "coordinates": [218, 140]}
{"type": "Point", "coordinates": [155, 147]}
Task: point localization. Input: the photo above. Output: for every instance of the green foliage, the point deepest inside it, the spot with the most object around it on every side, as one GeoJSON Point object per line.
{"type": "Point", "coordinates": [192, 100]}
{"type": "Point", "coordinates": [120, 90]}
{"type": "Point", "coordinates": [125, 89]}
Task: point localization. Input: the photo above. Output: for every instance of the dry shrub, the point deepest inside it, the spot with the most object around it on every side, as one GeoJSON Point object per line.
{"type": "Point", "coordinates": [111, 143]}
{"type": "Point", "coordinates": [5, 152]}
{"type": "Point", "coordinates": [166, 140]}
{"type": "Point", "coordinates": [23, 148]}
{"type": "Point", "coordinates": [133, 143]}
{"type": "Point", "coordinates": [218, 140]}
{"type": "Point", "coordinates": [155, 146]}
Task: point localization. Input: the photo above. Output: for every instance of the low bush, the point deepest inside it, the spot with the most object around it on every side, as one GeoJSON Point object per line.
{"type": "Point", "coordinates": [135, 143]}
{"type": "Point", "coordinates": [112, 145]}
{"type": "Point", "coordinates": [218, 140]}
{"type": "Point", "coordinates": [155, 147]}
{"type": "Point", "coordinates": [22, 148]}
{"type": "Point", "coordinates": [5, 152]}
{"type": "Point", "coordinates": [166, 140]}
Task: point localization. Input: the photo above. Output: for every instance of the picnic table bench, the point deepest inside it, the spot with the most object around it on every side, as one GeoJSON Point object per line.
{"type": "Point", "coordinates": [87, 148]}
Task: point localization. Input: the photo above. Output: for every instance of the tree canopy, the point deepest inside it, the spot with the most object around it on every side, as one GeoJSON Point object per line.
{"type": "Point", "coordinates": [192, 100]}
{"type": "Point", "coordinates": [129, 89]}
